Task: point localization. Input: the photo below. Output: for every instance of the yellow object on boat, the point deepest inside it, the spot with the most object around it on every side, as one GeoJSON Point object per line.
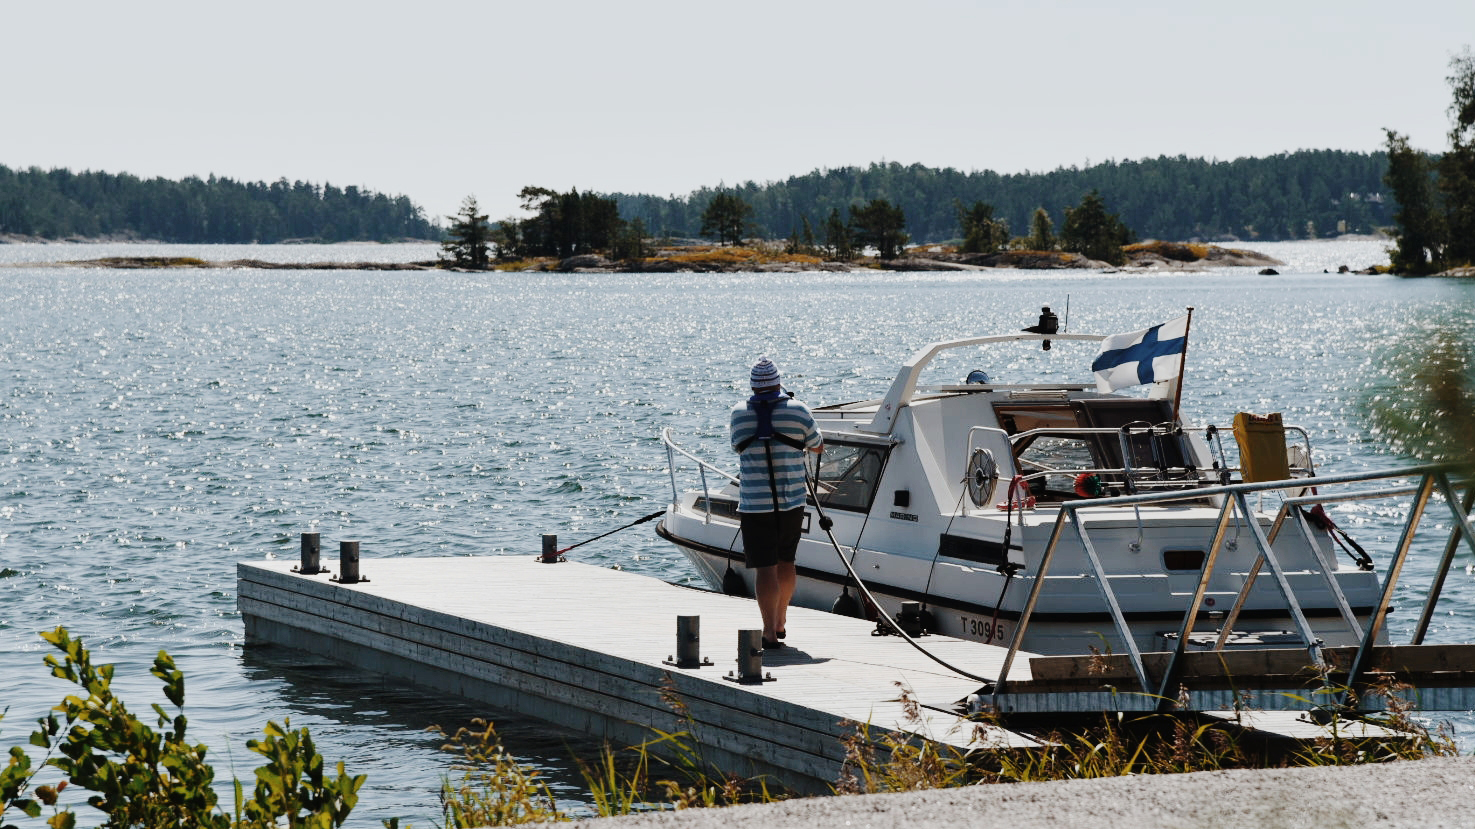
{"type": "Point", "coordinates": [1262, 447]}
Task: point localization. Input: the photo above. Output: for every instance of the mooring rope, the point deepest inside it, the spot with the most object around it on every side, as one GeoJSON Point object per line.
{"type": "Point", "coordinates": [655, 514]}
{"type": "Point", "coordinates": [825, 524]}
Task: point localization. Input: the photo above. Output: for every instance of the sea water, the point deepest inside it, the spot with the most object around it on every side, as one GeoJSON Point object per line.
{"type": "Point", "coordinates": [158, 426]}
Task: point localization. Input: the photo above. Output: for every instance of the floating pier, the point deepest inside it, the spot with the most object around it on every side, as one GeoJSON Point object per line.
{"type": "Point", "coordinates": [624, 656]}
{"type": "Point", "coordinates": [598, 650]}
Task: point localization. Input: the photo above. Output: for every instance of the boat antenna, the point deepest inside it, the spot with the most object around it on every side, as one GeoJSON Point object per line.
{"type": "Point", "coordinates": [1182, 364]}
{"type": "Point", "coordinates": [1065, 324]}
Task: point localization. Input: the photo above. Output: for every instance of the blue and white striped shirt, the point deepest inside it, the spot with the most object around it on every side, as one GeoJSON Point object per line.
{"type": "Point", "coordinates": [791, 418]}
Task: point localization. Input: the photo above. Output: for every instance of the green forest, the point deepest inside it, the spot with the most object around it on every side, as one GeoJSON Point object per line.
{"type": "Point", "coordinates": [1306, 194]}
{"type": "Point", "coordinates": [1300, 195]}
{"type": "Point", "coordinates": [59, 204]}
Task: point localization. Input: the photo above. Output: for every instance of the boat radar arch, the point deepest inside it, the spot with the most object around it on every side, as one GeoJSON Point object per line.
{"type": "Point", "coordinates": [905, 385]}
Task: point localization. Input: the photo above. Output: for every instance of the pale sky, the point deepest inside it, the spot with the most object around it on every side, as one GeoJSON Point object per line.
{"type": "Point", "coordinates": [438, 99]}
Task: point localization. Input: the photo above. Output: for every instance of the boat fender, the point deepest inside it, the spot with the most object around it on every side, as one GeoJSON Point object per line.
{"type": "Point", "coordinates": [1090, 485]}
{"type": "Point", "coordinates": [846, 605]}
{"type": "Point", "coordinates": [732, 582]}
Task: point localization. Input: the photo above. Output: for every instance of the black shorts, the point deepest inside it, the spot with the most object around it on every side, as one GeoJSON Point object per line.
{"type": "Point", "coordinates": [771, 537]}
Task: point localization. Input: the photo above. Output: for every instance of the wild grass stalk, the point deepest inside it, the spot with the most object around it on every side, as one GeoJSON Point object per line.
{"type": "Point", "coordinates": [494, 789]}
{"type": "Point", "coordinates": [669, 771]}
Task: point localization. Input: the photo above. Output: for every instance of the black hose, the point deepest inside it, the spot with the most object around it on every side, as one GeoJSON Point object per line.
{"type": "Point", "coordinates": [655, 514]}
{"type": "Point", "coordinates": [825, 524]}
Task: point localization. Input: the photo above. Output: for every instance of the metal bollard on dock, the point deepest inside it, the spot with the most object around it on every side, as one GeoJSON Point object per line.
{"type": "Point", "coordinates": [312, 547]}
{"type": "Point", "coordinates": [348, 563]}
{"type": "Point", "coordinates": [550, 549]}
{"type": "Point", "coordinates": [750, 659]}
{"type": "Point", "coordinates": [688, 643]}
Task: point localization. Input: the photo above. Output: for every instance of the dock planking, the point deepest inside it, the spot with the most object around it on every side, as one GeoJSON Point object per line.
{"type": "Point", "coordinates": [587, 647]}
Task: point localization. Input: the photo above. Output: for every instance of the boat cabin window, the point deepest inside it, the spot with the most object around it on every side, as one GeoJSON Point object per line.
{"type": "Point", "coordinates": [849, 475]}
{"type": "Point", "coordinates": [1057, 443]}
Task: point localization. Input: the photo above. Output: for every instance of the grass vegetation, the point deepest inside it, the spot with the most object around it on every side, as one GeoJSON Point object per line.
{"type": "Point", "coordinates": [124, 262]}
{"type": "Point", "coordinates": [668, 772]}
{"type": "Point", "coordinates": [136, 774]}
{"type": "Point", "coordinates": [687, 257]}
{"type": "Point", "coordinates": [1176, 251]}
{"type": "Point", "coordinates": [751, 254]}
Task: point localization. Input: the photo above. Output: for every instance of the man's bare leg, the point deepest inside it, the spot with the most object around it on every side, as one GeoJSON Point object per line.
{"type": "Point", "coordinates": [787, 576]}
{"type": "Point", "coordinates": [768, 590]}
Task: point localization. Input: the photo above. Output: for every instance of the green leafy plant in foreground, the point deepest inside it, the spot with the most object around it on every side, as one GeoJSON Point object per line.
{"type": "Point", "coordinates": [143, 777]}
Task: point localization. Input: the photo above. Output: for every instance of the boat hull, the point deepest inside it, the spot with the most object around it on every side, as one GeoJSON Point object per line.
{"type": "Point", "coordinates": [985, 605]}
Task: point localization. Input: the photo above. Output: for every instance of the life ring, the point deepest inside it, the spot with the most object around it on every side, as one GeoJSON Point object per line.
{"type": "Point", "coordinates": [1090, 485]}
{"type": "Point", "coordinates": [983, 472]}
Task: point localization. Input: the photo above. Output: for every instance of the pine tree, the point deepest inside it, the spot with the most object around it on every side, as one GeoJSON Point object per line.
{"type": "Point", "coordinates": [726, 217]}
{"type": "Point", "coordinates": [1093, 232]}
{"type": "Point", "coordinates": [1041, 231]}
{"type": "Point", "coordinates": [982, 233]}
{"type": "Point", "coordinates": [1419, 245]}
{"type": "Point", "coordinates": [1457, 167]}
{"type": "Point", "coordinates": [881, 225]}
{"type": "Point", "coordinates": [468, 239]}
{"type": "Point", "coordinates": [838, 243]}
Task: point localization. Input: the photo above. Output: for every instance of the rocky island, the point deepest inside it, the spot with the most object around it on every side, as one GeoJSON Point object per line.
{"type": "Point", "coordinates": [761, 257]}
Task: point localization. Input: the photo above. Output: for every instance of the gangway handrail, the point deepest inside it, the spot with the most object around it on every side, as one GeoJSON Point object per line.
{"type": "Point", "coordinates": [1431, 476]}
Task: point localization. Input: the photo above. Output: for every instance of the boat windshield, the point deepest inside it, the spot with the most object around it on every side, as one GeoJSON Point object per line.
{"type": "Point", "coordinates": [849, 474]}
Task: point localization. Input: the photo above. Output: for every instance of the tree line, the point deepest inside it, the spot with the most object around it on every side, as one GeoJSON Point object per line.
{"type": "Point", "coordinates": [561, 225]}
{"type": "Point", "coordinates": [570, 224]}
{"type": "Point", "coordinates": [57, 204]}
{"type": "Point", "coordinates": [1436, 194]}
{"type": "Point", "coordinates": [1299, 195]}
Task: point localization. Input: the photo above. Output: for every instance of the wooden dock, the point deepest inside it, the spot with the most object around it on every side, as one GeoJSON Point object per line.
{"type": "Point", "coordinates": [587, 648]}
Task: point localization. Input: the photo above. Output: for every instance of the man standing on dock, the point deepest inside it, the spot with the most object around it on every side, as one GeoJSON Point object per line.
{"type": "Point", "coordinates": [771, 431]}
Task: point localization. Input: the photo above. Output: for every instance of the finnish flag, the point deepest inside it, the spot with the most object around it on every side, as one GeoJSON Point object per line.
{"type": "Point", "coordinates": [1141, 357]}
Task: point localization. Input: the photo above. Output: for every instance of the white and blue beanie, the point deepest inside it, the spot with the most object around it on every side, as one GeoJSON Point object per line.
{"type": "Point", "coordinates": [764, 374]}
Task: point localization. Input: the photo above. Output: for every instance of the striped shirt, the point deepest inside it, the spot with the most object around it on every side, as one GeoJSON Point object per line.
{"type": "Point", "coordinates": [791, 418]}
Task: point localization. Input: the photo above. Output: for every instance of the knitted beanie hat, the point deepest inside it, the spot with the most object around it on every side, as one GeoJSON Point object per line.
{"type": "Point", "coordinates": [764, 374]}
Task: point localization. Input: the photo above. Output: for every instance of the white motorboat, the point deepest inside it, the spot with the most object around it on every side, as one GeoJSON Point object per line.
{"type": "Point", "coordinates": [950, 497]}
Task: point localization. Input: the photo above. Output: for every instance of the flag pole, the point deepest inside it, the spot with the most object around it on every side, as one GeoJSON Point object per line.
{"type": "Point", "coordinates": [1182, 364]}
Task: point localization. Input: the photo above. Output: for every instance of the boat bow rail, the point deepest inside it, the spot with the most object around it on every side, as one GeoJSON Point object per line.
{"type": "Point", "coordinates": [1157, 677]}
{"type": "Point", "coordinates": [673, 452]}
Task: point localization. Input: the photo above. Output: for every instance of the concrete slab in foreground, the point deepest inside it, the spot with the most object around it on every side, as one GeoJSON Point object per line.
{"type": "Point", "coordinates": [1423, 794]}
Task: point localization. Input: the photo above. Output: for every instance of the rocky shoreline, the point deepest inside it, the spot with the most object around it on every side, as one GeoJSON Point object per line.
{"type": "Point", "coordinates": [1145, 257]}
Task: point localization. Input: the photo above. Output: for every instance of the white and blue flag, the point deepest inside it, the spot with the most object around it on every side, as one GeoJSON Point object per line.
{"type": "Point", "coordinates": [1141, 357]}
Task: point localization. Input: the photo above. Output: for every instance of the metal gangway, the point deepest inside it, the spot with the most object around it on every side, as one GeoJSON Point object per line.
{"type": "Point", "coordinates": [1304, 676]}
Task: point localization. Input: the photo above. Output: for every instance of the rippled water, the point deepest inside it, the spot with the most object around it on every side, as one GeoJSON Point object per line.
{"type": "Point", "coordinates": [156, 427]}
{"type": "Point", "coordinates": [38, 252]}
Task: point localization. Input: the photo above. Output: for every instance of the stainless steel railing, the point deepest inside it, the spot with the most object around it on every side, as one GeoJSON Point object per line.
{"type": "Point", "coordinates": [1235, 504]}
{"type": "Point", "coordinates": [672, 451]}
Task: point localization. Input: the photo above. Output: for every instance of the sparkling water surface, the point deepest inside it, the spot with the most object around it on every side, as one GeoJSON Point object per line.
{"type": "Point", "coordinates": [158, 426]}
